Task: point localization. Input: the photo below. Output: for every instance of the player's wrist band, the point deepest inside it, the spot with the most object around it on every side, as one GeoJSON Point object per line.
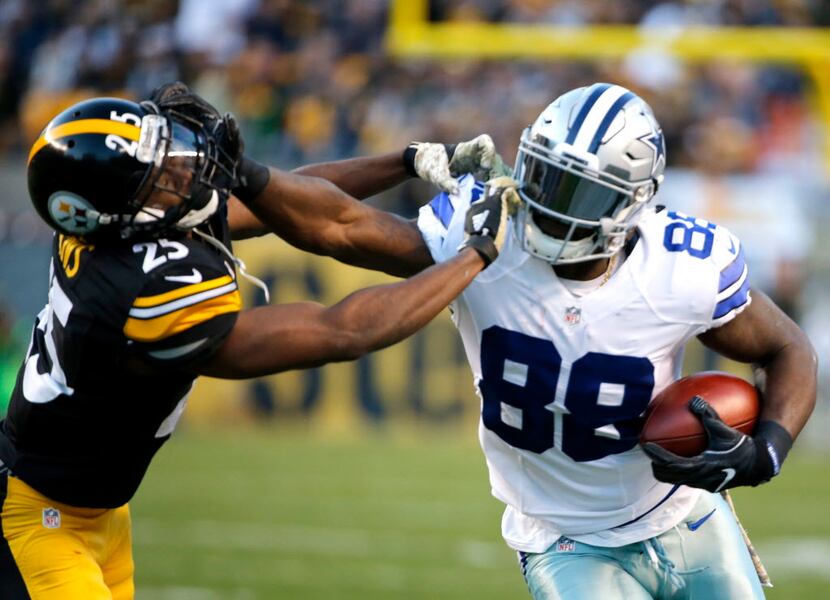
{"type": "Point", "coordinates": [411, 150]}
{"type": "Point", "coordinates": [409, 159]}
{"type": "Point", "coordinates": [776, 440]}
{"type": "Point", "coordinates": [253, 177]}
{"type": "Point", "coordinates": [484, 245]}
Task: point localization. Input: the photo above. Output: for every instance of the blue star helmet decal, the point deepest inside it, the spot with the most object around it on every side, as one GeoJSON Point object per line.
{"type": "Point", "coordinates": [658, 142]}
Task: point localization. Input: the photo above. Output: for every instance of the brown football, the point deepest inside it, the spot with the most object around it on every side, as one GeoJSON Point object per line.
{"type": "Point", "coordinates": [670, 423]}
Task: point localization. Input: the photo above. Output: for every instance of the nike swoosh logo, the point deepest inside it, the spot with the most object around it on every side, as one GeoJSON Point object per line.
{"type": "Point", "coordinates": [730, 473]}
{"type": "Point", "coordinates": [195, 277]}
{"type": "Point", "coordinates": [696, 525]}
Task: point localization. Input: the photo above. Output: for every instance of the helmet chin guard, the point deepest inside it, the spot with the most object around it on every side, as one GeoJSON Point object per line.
{"type": "Point", "coordinates": [194, 217]}
{"type": "Point", "coordinates": [590, 163]}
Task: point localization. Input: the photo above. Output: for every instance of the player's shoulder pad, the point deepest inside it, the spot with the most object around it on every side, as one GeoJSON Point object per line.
{"type": "Point", "coordinates": [692, 270]}
{"type": "Point", "coordinates": [186, 286]}
{"type": "Point", "coordinates": [442, 220]}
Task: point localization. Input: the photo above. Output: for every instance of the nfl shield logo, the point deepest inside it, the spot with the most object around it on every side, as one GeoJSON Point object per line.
{"type": "Point", "coordinates": [51, 518]}
{"type": "Point", "coordinates": [565, 545]}
{"type": "Point", "coordinates": [573, 314]}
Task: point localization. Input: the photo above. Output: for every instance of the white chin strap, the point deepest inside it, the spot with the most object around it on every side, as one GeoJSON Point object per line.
{"type": "Point", "coordinates": [188, 221]}
{"type": "Point", "coordinates": [199, 216]}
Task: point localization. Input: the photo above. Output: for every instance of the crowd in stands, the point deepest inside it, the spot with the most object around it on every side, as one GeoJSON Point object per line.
{"type": "Point", "coordinates": [310, 80]}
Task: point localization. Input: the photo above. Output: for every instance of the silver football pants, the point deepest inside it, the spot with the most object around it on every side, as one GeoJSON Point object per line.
{"type": "Point", "coordinates": [703, 558]}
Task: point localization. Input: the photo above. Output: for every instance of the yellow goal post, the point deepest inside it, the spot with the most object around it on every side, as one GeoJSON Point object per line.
{"type": "Point", "coordinates": [411, 35]}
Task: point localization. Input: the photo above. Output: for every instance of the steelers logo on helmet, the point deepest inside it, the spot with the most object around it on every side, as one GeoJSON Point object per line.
{"type": "Point", "coordinates": [114, 169]}
{"type": "Point", "coordinates": [73, 213]}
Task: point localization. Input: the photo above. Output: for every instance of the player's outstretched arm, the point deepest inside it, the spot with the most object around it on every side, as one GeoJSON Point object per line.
{"type": "Point", "coordinates": [276, 338]}
{"type": "Point", "coordinates": [359, 178]}
{"type": "Point", "coordinates": [315, 215]}
{"type": "Point", "coordinates": [365, 176]}
{"type": "Point", "coordinates": [313, 207]}
{"type": "Point", "coordinates": [762, 334]}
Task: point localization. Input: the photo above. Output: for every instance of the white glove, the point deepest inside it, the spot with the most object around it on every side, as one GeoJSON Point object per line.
{"type": "Point", "coordinates": [440, 164]}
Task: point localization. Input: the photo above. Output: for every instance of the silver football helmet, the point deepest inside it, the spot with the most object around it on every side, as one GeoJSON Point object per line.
{"type": "Point", "coordinates": [590, 163]}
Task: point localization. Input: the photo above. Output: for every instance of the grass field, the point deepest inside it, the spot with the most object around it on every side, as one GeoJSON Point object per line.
{"type": "Point", "coordinates": [283, 515]}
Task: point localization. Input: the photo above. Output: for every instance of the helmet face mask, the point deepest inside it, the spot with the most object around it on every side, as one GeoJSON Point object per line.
{"type": "Point", "coordinates": [110, 168]}
{"type": "Point", "coordinates": [591, 162]}
{"type": "Point", "coordinates": [180, 184]}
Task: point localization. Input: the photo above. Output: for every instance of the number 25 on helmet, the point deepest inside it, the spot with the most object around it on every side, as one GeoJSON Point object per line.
{"type": "Point", "coordinates": [112, 168]}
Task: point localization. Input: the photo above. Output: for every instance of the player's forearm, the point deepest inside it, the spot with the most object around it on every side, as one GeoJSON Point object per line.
{"type": "Point", "coordinates": [384, 242]}
{"type": "Point", "coordinates": [377, 317]}
{"type": "Point", "coordinates": [315, 215]}
{"type": "Point", "coordinates": [361, 177]}
{"type": "Point", "coordinates": [763, 335]}
{"type": "Point", "coordinates": [790, 386]}
{"type": "Point", "coordinates": [276, 338]}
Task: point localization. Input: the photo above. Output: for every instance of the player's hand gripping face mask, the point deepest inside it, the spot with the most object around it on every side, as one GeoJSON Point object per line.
{"type": "Point", "coordinates": [113, 168]}
{"type": "Point", "coordinates": [486, 221]}
{"type": "Point", "coordinates": [588, 166]}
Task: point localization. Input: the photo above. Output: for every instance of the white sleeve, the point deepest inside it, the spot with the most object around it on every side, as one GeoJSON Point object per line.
{"type": "Point", "coordinates": [733, 293]}
{"type": "Point", "coordinates": [442, 220]}
{"type": "Point", "coordinates": [694, 270]}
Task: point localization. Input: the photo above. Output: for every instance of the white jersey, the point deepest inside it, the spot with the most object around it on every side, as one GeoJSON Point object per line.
{"type": "Point", "coordinates": [564, 379]}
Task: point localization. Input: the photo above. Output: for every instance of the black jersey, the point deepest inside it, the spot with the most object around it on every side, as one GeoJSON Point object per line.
{"type": "Point", "coordinates": [111, 363]}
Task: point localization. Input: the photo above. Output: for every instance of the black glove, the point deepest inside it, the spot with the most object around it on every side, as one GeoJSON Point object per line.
{"type": "Point", "coordinates": [485, 225]}
{"type": "Point", "coordinates": [731, 458]}
{"type": "Point", "coordinates": [251, 176]}
{"type": "Point", "coordinates": [178, 97]}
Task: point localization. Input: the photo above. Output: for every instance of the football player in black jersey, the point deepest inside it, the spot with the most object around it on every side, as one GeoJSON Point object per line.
{"type": "Point", "coordinates": [143, 298]}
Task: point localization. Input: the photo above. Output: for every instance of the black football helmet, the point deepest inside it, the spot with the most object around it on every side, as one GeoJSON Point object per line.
{"type": "Point", "coordinates": [109, 167]}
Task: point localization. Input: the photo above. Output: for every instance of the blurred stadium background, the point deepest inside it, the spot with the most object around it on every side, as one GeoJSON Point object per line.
{"type": "Point", "coordinates": [363, 480]}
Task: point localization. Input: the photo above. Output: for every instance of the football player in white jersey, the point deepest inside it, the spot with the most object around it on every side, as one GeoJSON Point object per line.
{"type": "Point", "coordinates": [571, 331]}
{"type": "Point", "coordinates": [580, 322]}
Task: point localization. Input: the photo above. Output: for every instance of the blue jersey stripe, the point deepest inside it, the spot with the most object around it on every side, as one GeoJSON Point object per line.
{"type": "Point", "coordinates": [475, 193]}
{"type": "Point", "coordinates": [734, 301]}
{"type": "Point", "coordinates": [523, 563]}
{"type": "Point", "coordinates": [733, 272]}
{"type": "Point", "coordinates": [607, 120]}
{"type": "Point", "coordinates": [599, 90]}
{"type": "Point", "coordinates": [442, 208]}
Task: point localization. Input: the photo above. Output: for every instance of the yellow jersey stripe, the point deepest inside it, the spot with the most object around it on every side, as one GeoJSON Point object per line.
{"type": "Point", "coordinates": [159, 328]}
{"type": "Point", "coordinates": [162, 309]}
{"type": "Point", "coordinates": [188, 290]}
{"type": "Point", "coordinates": [125, 130]}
